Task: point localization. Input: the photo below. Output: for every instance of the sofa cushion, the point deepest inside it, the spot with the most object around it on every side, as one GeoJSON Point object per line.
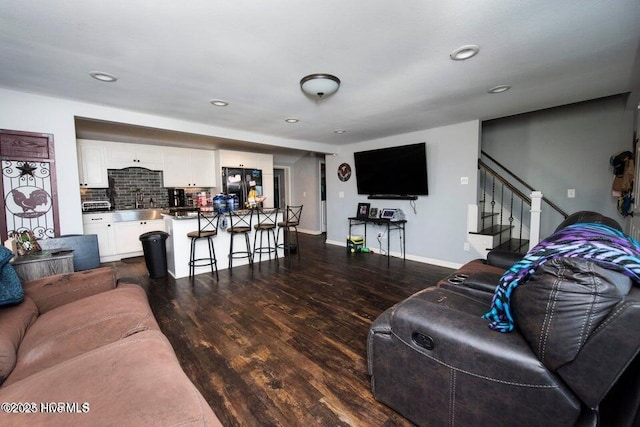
{"type": "Point", "coordinates": [14, 321]}
{"type": "Point", "coordinates": [10, 287]}
{"type": "Point", "coordinates": [136, 381]}
{"type": "Point", "coordinates": [81, 326]}
{"type": "Point", "coordinates": [53, 291]}
{"type": "Point", "coordinates": [563, 303]}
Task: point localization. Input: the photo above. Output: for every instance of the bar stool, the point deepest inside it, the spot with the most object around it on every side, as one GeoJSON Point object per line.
{"type": "Point", "coordinates": [266, 221]}
{"type": "Point", "coordinates": [240, 223]}
{"type": "Point", "coordinates": [207, 229]}
{"type": "Point", "coordinates": [291, 221]}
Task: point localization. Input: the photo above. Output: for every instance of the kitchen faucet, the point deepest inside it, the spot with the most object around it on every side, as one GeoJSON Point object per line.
{"type": "Point", "coordinates": [138, 199]}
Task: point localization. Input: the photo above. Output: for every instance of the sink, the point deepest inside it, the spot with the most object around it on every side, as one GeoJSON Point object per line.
{"type": "Point", "coordinates": [137, 214]}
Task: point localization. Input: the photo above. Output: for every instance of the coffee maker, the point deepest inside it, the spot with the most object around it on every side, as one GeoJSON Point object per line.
{"type": "Point", "coordinates": [176, 198]}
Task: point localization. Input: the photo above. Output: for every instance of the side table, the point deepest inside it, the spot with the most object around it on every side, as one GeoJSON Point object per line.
{"type": "Point", "coordinates": [43, 264]}
{"type": "Point", "coordinates": [391, 225]}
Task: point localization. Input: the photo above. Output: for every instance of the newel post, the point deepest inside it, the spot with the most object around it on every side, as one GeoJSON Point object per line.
{"type": "Point", "coordinates": [534, 231]}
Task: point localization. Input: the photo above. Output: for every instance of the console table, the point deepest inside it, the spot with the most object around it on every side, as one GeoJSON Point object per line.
{"type": "Point", "coordinates": [42, 264]}
{"type": "Point", "coordinates": [391, 225]}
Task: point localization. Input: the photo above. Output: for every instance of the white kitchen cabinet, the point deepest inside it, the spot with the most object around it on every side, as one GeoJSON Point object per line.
{"type": "Point", "coordinates": [127, 235]}
{"type": "Point", "coordinates": [122, 155]}
{"type": "Point", "coordinates": [267, 189]}
{"type": "Point", "coordinates": [238, 159]}
{"type": "Point", "coordinates": [101, 224]}
{"type": "Point", "coordinates": [118, 240]}
{"type": "Point", "coordinates": [92, 167]}
{"type": "Point", "coordinates": [265, 163]}
{"type": "Point", "coordinates": [203, 168]}
{"type": "Point", "coordinates": [185, 167]}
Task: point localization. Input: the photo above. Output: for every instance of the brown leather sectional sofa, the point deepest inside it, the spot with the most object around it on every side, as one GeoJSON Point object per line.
{"type": "Point", "coordinates": [83, 349]}
{"type": "Point", "coordinates": [573, 358]}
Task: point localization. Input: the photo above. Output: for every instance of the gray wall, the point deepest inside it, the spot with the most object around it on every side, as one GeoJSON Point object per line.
{"type": "Point", "coordinates": [565, 147]}
{"type": "Point", "coordinates": [436, 231]}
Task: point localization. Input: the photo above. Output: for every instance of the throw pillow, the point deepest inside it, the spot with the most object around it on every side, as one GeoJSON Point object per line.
{"type": "Point", "coordinates": [11, 291]}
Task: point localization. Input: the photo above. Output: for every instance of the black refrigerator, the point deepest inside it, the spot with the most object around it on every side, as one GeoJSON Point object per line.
{"type": "Point", "coordinates": [239, 181]}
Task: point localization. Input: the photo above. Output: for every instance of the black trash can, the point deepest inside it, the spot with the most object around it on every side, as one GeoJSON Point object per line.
{"type": "Point", "coordinates": [155, 253]}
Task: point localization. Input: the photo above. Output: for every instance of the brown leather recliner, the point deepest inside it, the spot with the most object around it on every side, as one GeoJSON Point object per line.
{"type": "Point", "coordinates": [573, 359]}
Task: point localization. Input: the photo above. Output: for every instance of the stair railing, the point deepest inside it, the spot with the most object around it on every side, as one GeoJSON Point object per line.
{"type": "Point", "coordinates": [493, 186]}
{"type": "Point", "coordinates": [501, 197]}
{"type": "Point", "coordinates": [515, 177]}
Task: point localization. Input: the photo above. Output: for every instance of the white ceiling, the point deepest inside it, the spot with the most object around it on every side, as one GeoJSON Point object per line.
{"type": "Point", "coordinates": [172, 57]}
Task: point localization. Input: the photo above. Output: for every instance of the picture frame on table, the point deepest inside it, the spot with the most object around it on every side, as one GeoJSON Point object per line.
{"type": "Point", "coordinates": [363, 210]}
{"type": "Point", "coordinates": [373, 213]}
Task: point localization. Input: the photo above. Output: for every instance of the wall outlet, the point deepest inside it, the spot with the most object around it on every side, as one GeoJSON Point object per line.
{"type": "Point", "coordinates": [571, 193]}
{"type": "Point", "coordinates": [466, 246]}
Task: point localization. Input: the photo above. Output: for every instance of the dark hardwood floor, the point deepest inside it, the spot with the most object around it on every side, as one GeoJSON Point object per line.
{"type": "Point", "coordinates": [284, 345]}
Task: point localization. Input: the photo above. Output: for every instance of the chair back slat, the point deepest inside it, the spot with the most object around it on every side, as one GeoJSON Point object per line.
{"type": "Point", "coordinates": [266, 217]}
{"type": "Point", "coordinates": [240, 221]}
{"type": "Point", "coordinates": [293, 215]}
{"type": "Point", "coordinates": [207, 222]}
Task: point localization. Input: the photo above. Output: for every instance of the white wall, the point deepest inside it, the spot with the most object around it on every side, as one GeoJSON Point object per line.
{"type": "Point", "coordinates": [34, 113]}
{"type": "Point", "coordinates": [565, 147]}
{"type": "Point", "coordinates": [436, 231]}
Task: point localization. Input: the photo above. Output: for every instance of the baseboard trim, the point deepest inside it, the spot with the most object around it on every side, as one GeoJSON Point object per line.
{"type": "Point", "coordinates": [432, 261]}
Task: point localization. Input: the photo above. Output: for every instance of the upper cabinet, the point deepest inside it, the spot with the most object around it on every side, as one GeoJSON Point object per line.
{"type": "Point", "coordinates": [265, 163]}
{"type": "Point", "coordinates": [185, 167]}
{"type": "Point", "coordinates": [122, 155]}
{"type": "Point", "coordinates": [92, 165]}
{"type": "Point", "coordinates": [241, 159]}
{"type": "Point", "coordinates": [237, 159]}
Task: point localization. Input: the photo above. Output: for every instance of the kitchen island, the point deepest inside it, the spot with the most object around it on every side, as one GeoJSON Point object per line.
{"type": "Point", "coordinates": [179, 245]}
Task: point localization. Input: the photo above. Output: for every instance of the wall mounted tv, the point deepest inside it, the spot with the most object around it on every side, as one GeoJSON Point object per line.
{"type": "Point", "coordinates": [393, 172]}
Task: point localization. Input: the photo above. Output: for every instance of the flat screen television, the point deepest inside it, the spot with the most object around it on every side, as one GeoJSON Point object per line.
{"type": "Point", "coordinates": [393, 172]}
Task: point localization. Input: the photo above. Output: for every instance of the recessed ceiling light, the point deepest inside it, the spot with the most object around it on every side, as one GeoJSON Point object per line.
{"type": "Point", "coordinates": [219, 102]}
{"type": "Point", "coordinates": [292, 120]}
{"type": "Point", "coordinates": [464, 52]}
{"type": "Point", "coordinates": [499, 89]}
{"type": "Point", "coordinates": [339, 131]}
{"type": "Point", "coordinates": [103, 77]}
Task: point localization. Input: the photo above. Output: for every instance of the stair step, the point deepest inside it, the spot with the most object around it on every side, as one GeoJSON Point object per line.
{"type": "Point", "coordinates": [493, 231]}
{"type": "Point", "coordinates": [488, 214]}
{"type": "Point", "coordinates": [514, 245]}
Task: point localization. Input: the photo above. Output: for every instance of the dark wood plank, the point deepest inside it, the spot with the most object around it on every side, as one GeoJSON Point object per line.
{"type": "Point", "coordinates": [285, 344]}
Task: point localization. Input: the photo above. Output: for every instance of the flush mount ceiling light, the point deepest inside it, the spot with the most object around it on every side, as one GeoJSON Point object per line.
{"type": "Point", "coordinates": [464, 52]}
{"type": "Point", "coordinates": [103, 77]}
{"type": "Point", "coordinates": [319, 85]}
{"type": "Point", "coordinates": [219, 102]}
{"type": "Point", "coordinates": [499, 89]}
{"type": "Point", "coordinates": [292, 120]}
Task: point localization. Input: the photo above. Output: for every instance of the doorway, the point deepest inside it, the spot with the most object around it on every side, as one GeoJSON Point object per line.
{"type": "Point", "coordinates": [279, 188]}
{"type": "Point", "coordinates": [323, 198]}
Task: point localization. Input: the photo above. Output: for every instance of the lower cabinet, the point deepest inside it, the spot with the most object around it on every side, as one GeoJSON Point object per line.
{"type": "Point", "coordinates": [102, 226]}
{"type": "Point", "coordinates": [128, 234]}
{"type": "Point", "coordinates": [117, 240]}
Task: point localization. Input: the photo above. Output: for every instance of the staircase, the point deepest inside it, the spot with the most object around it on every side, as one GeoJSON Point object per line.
{"type": "Point", "coordinates": [505, 217]}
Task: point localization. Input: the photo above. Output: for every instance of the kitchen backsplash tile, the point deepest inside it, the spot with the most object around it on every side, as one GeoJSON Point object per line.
{"type": "Point", "coordinates": [124, 184]}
